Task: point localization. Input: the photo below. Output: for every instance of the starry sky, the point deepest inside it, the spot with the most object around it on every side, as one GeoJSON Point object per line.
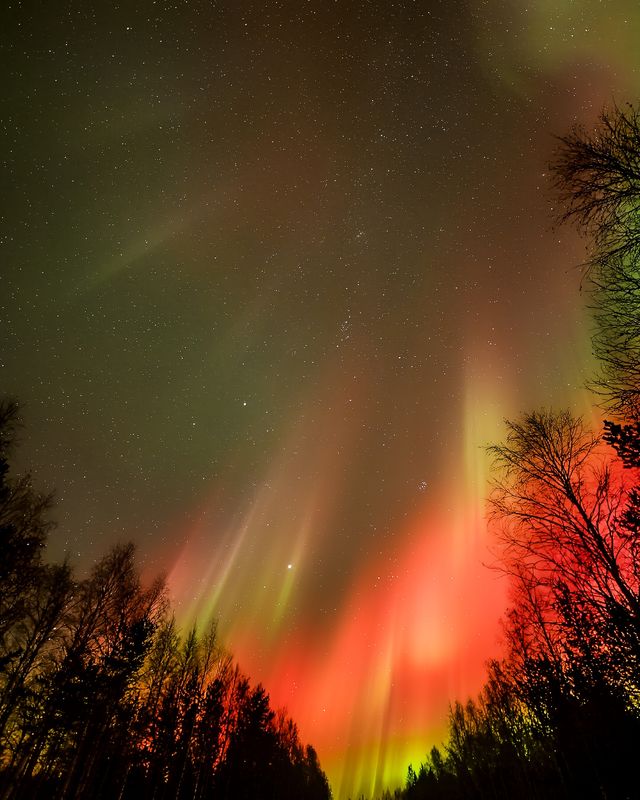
{"type": "Point", "coordinates": [272, 274]}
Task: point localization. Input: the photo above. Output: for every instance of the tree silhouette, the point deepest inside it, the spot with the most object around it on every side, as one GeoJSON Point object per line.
{"type": "Point", "coordinates": [597, 176]}
{"type": "Point", "coordinates": [24, 526]}
{"type": "Point", "coordinates": [558, 508]}
{"type": "Point", "coordinates": [558, 716]}
{"type": "Point", "coordinates": [101, 697]}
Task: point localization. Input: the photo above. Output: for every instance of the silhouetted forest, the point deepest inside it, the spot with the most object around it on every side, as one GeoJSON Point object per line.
{"type": "Point", "coordinates": [559, 716]}
{"type": "Point", "coordinates": [102, 697]}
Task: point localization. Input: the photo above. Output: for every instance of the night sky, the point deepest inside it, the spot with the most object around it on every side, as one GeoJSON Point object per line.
{"type": "Point", "coordinates": [272, 275]}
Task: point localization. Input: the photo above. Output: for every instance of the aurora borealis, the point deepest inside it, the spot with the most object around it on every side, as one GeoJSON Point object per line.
{"type": "Point", "coordinates": [272, 276]}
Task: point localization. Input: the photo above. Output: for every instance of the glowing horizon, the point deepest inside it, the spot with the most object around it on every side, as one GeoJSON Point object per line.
{"type": "Point", "coordinates": [370, 685]}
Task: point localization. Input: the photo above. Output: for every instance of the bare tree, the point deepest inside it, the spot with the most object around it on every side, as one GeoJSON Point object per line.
{"type": "Point", "coordinates": [558, 507]}
{"type": "Point", "coordinates": [597, 175]}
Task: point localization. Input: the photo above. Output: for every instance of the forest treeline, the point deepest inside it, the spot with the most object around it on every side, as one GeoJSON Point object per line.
{"type": "Point", "coordinates": [559, 715]}
{"type": "Point", "coordinates": [102, 697]}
